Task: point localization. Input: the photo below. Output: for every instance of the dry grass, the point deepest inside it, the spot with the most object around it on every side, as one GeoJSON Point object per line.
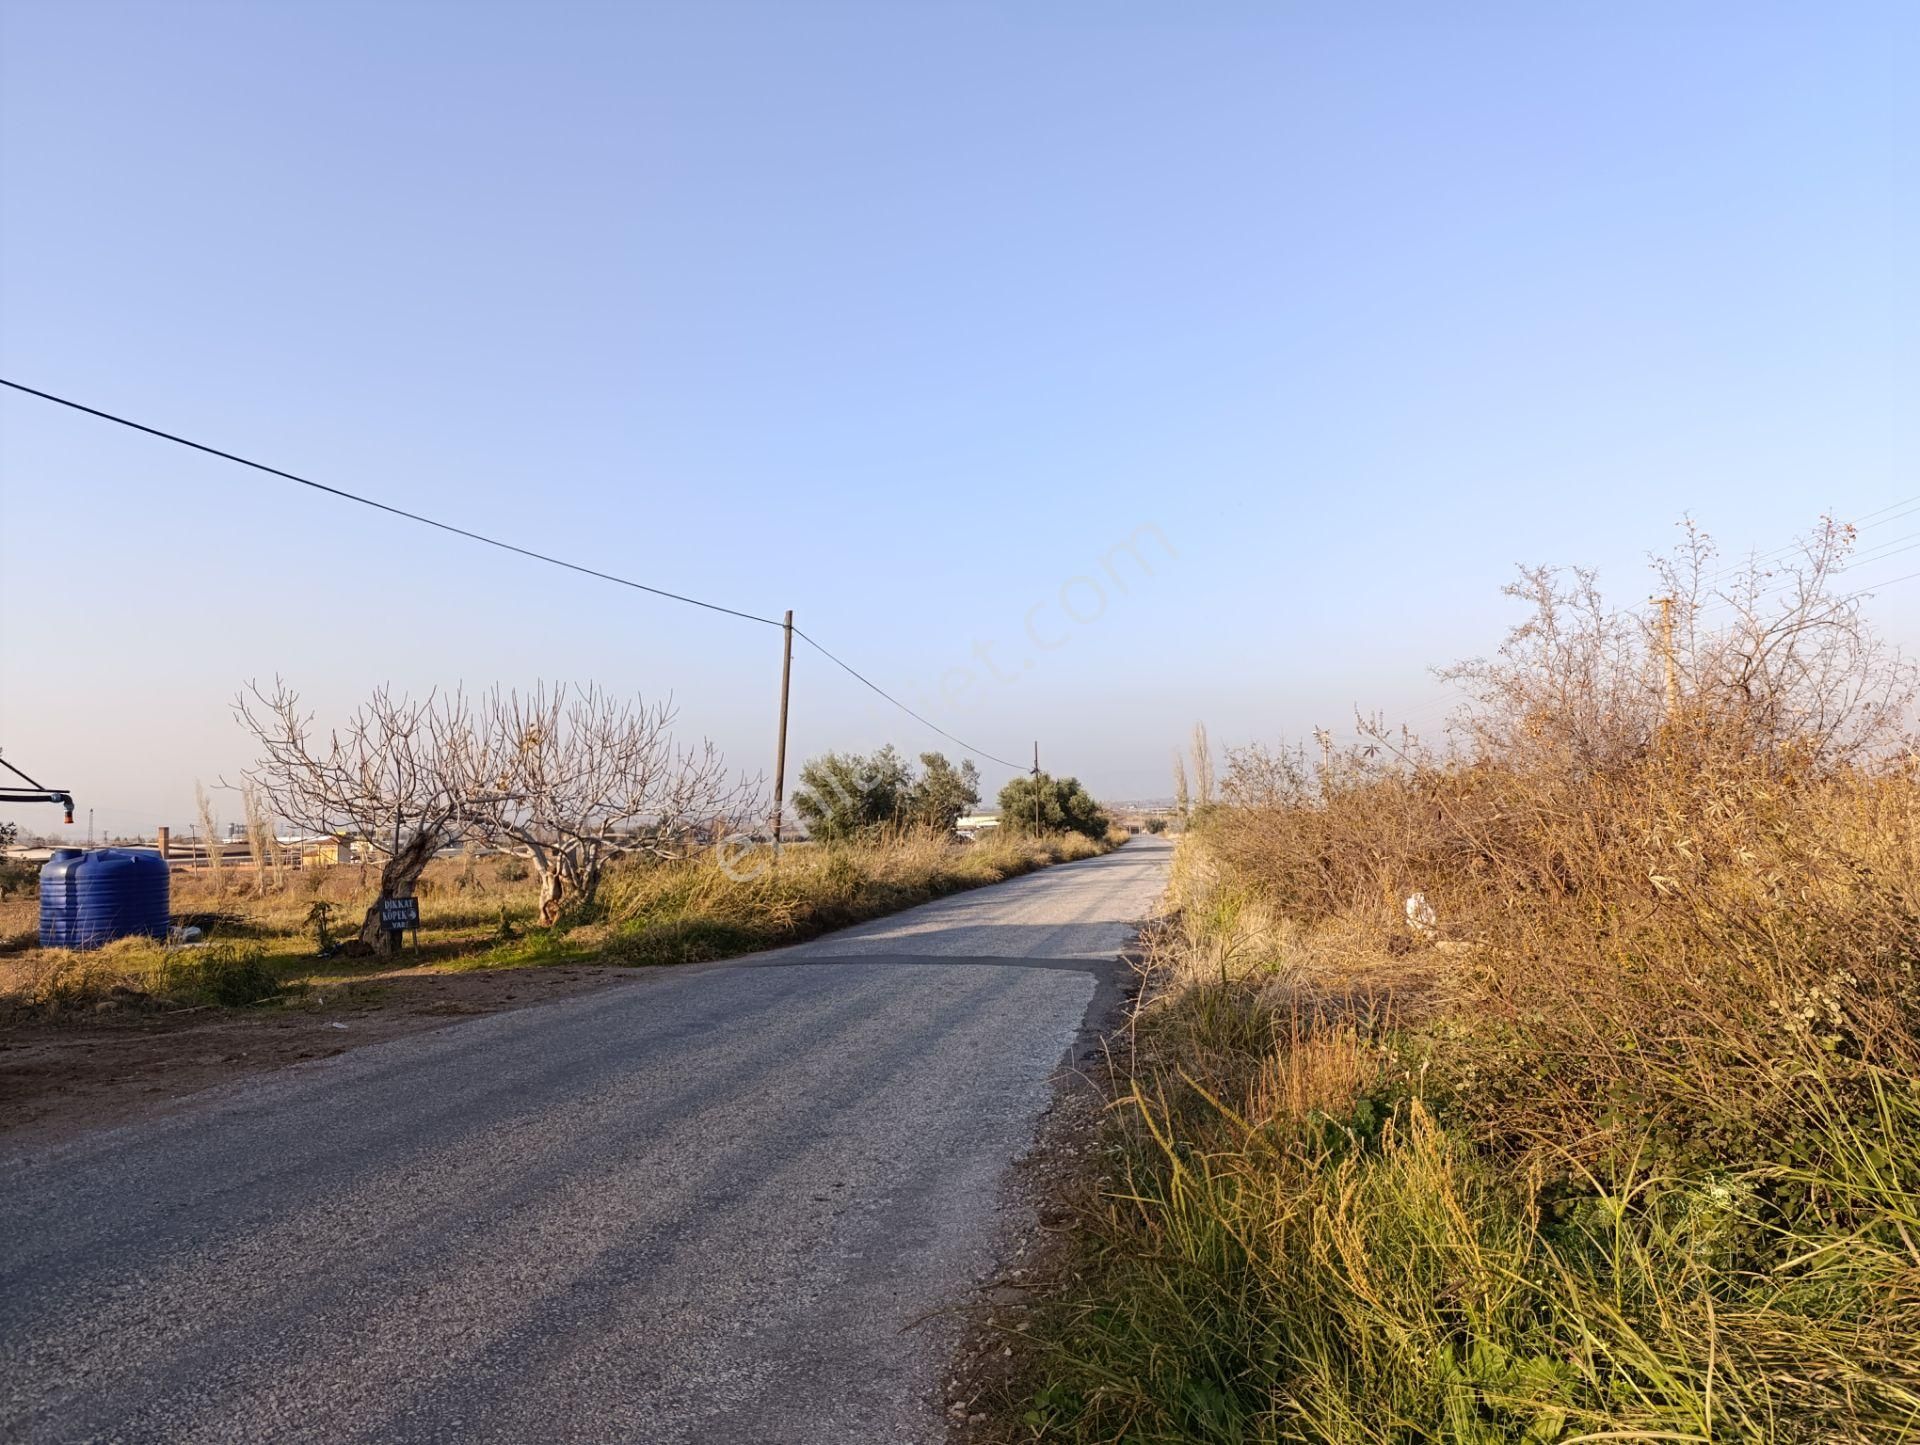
{"type": "Point", "coordinates": [1624, 1145]}
{"type": "Point", "coordinates": [1629, 1150]}
{"type": "Point", "coordinates": [697, 909]}
{"type": "Point", "coordinates": [481, 913]}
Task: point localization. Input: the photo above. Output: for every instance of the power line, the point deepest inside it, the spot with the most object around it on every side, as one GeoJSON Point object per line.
{"type": "Point", "coordinates": [901, 705]}
{"type": "Point", "coordinates": [1876, 586]}
{"type": "Point", "coordinates": [1878, 554]}
{"type": "Point", "coordinates": [1907, 502]}
{"type": "Point", "coordinates": [513, 547]}
{"type": "Point", "coordinates": [384, 507]}
{"type": "Point", "coordinates": [1905, 507]}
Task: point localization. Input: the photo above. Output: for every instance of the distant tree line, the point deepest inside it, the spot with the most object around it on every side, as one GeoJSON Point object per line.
{"type": "Point", "coordinates": [846, 795]}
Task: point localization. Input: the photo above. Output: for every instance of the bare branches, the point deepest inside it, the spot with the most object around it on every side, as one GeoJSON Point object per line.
{"type": "Point", "coordinates": [381, 779]}
{"type": "Point", "coordinates": [571, 778]}
{"type": "Point", "coordinates": [260, 840]}
{"type": "Point", "coordinates": [1780, 654]}
{"type": "Point", "coordinates": [1202, 767]}
{"type": "Point", "coordinates": [1786, 650]}
{"type": "Point", "coordinates": [215, 855]}
{"type": "Point", "coordinates": [389, 780]}
{"type": "Point", "coordinates": [566, 777]}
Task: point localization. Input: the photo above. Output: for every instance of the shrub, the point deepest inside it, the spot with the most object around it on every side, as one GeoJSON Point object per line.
{"type": "Point", "coordinates": [19, 879]}
{"type": "Point", "coordinates": [218, 973]}
{"type": "Point", "coordinates": [1613, 1133]}
{"type": "Point", "coordinates": [848, 795]}
{"type": "Point", "coordinates": [1047, 804]}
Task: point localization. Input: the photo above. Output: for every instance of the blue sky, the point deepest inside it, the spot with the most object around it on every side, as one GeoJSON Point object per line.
{"type": "Point", "coordinates": [904, 316]}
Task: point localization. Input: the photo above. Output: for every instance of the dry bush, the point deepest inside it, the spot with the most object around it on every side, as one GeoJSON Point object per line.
{"type": "Point", "coordinates": [264, 848]}
{"type": "Point", "coordinates": [215, 856]}
{"type": "Point", "coordinates": [1624, 1143]}
{"type": "Point", "coordinates": [483, 913]}
{"type": "Point", "coordinates": [696, 908]}
{"type": "Point", "coordinates": [137, 972]}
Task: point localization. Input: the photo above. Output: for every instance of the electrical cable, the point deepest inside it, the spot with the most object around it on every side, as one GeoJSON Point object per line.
{"type": "Point", "coordinates": [384, 507]}
{"type": "Point", "coordinates": [503, 546]}
{"type": "Point", "coordinates": [1017, 767]}
{"type": "Point", "coordinates": [1905, 507]}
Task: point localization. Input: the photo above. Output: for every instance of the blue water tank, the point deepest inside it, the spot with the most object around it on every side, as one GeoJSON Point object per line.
{"type": "Point", "coordinates": [87, 899]}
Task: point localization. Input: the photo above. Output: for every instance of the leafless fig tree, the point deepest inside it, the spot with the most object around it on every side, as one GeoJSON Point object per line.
{"type": "Point", "coordinates": [571, 778]}
{"type": "Point", "coordinates": [388, 778]}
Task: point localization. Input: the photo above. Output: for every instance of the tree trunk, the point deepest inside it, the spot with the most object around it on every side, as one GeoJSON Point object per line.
{"type": "Point", "coordinates": [566, 883]}
{"type": "Point", "coordinates": [398, 875]}
{"type": "Point", "coordinates": [553, 888]}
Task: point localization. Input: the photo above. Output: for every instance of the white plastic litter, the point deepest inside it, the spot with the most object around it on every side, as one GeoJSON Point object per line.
{"type": "Point", "coordinates": [1420, 915]}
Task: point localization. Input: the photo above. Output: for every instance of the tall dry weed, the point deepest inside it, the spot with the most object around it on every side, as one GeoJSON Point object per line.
{"type": "Point", "coordinates": [1561, 1086]}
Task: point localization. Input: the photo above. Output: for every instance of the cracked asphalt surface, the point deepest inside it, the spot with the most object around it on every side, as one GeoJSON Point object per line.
{"type": "Point", "coordinates": [734, 1202]}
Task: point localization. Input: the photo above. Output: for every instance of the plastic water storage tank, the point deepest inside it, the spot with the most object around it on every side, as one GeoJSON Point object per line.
{"type": "Point", "coordinates": [87, 899]}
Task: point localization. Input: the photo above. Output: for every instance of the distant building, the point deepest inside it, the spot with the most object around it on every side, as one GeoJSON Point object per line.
{"type": "Point", "coordinates": [325, 852]}
{"type": "Point", "coordinates": [976, 822]}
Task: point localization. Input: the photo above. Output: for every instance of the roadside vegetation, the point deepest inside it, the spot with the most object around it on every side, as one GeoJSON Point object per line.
{"type": "Point", "coordinates": [274, 932]}
{"type": "Point", "coordinates": [1044, 803]}
{"type": "Point", "coordinates": [850, 795]}
{"type": "Point", "coordinates": [1561, 1085]}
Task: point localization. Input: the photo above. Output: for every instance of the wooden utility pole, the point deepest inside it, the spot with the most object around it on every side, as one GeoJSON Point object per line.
{"type": "Point", "coordinates": [780, 749]}
{"type": "Point", "coordinates": [1666, 657]}
{"type": "Point", "coordinates": [1036, 786]}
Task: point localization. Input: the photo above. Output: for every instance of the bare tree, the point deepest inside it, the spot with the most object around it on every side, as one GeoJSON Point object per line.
{"type": "Point", "coordinates": [1202, 767]}
{"type": "Point", "coordinates": [1783, 648]}
{"type": "Point", "coordinates": [571, 778]}
{"type": "Point", "coordinates": [216, 851]}
{"type": "Point", "coordinates": [389, 779]}
{"type": "Point", "coordinates": [260, 841]}
{"type": "Point", "coordinates": [1572, 687]}
{"type": "Point", "coordinates": [1780, 652]}
{"type": "Point", "coordinates": [1179, 784]}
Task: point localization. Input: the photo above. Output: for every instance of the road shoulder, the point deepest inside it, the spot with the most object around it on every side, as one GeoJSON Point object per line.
{"type": "Point", "coordinates": [1059, 1175]}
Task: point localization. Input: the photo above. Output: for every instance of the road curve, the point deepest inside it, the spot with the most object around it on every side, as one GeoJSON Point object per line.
{"type": "Point", "coordinates": [711, 1204]}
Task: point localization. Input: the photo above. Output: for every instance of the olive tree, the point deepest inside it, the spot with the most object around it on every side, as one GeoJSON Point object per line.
{"type": "Point", "coordinates": [942, 792]}
{"type": "Point", "coordinates": [383, 779]}
{"type": "Point", "coordinates": [1046, 804]}
{"type": "Point", "coordinates": [845, 794]}
{"type": "Point", "coordinates": [571, 778]}
{"type": "Point", "coordinates": [842, 795]}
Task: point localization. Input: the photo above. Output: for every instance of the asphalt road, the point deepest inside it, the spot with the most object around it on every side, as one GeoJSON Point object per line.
{"type": "Point", "coordinates": [712, 1204]}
